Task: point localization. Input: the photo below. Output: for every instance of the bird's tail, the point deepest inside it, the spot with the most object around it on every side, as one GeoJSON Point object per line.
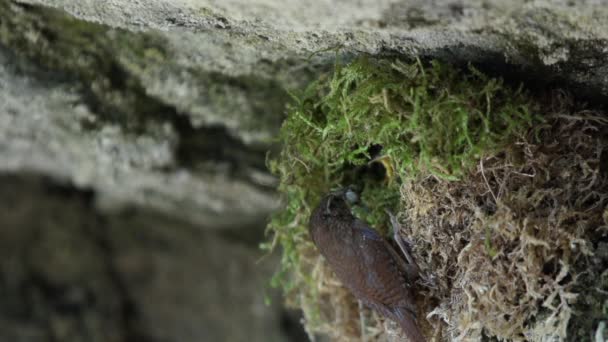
{"type": "Point", "coordinates": [407, 322]}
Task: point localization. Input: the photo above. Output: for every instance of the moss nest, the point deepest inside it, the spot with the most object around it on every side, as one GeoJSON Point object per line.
{"type": "Point", "coordinates": [503, 194]}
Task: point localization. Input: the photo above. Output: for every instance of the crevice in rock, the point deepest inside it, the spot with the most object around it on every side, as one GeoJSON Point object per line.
{"type": "Point", "coordinates": [129, 311]}
{"type": "Point", "coordinates": [69, 272]}
{"type": "Point", "coordinates": [63, 305]}
{"type": "Point", "coordinates": [291, 324]}
{"type": "Point", "coordinates": [97, 232]}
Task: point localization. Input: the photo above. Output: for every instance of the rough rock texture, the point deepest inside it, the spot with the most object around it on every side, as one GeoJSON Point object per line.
{"type": "Point", "coordinates": [68, 273]}
{"type": "Point", "coordinates": [170, 107]}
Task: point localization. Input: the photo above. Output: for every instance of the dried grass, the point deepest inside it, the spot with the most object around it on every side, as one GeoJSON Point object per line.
{"type": "Point", "coordinates": [499, 246]}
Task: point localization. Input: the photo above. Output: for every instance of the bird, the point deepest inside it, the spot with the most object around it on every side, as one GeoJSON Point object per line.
{"type": "Point", "coordinates": [365, 262]}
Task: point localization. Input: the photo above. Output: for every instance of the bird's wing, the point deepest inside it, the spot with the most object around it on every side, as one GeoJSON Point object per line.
{"type": "Point", "coordinates": [383, 280]}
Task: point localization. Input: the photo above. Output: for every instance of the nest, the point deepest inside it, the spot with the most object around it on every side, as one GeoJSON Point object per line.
{"type": "Point", "coordinates": [502, 248]}
{"type": "Point", "coordinates": [502, 193]}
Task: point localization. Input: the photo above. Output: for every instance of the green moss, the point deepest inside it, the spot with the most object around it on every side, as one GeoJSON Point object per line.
{"type": "Point", "coordinates": [434, 119]}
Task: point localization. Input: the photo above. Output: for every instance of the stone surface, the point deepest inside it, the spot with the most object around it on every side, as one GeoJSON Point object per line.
{"type": "Point", "coordinates": [169, 107]}
{"type": "Point", "coordinates": [193, 286]}
{"type": "Point", "coordinates": [68, 273]}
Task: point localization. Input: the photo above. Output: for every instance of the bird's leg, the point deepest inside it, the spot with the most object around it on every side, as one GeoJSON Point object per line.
{"type": "Point", "coordinates": [411, 268]}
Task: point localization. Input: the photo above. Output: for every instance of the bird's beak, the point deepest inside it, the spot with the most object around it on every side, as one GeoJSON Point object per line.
{"type": "Point", "coordinates": [351, 196]}
{"type": "Point", "coordinates": [348, 194]}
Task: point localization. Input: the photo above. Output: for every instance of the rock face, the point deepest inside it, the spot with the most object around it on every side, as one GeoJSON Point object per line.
{"type": "Point", "coordinates": [133, 138]}
{"type": "Point", "coordinates": [71, 274]}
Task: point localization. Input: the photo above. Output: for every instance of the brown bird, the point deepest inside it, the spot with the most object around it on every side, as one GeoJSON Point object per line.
{"type": "Point", "coordinates": [365, 262]}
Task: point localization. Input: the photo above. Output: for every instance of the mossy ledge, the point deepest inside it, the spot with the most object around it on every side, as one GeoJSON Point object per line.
{"type": "Point", "coordinates": [440, 137]}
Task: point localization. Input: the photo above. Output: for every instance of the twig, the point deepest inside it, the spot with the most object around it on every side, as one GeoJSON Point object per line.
{"type": "Point", "coordinates": [486, 180]}
{"type": "Point", "coordinates": [362, 322]}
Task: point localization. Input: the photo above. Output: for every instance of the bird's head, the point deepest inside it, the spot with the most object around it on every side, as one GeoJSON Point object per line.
{"type": "Point", "coordinates": [339, 201]}
{"type": "Point", "coordinates": [333, 211]}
